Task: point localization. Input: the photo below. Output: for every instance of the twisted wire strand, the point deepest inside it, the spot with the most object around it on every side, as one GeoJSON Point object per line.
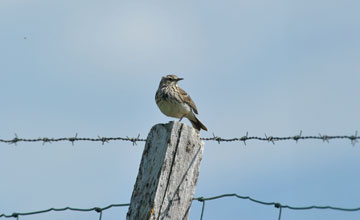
{"type": "Point", "coordinates": [200, 199]}
{"type": "Point", "coordinates": [325, 138]}
{"type": "Point", "coordinates": [97, 209]}
{"type": "Point", "coordinates": [275, 204]}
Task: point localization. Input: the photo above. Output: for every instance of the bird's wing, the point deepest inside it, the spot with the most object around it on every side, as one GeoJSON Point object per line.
{"type": "Point", "coordinates": [187, 99]}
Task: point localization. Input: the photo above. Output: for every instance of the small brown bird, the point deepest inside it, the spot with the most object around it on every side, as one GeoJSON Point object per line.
{"type": "Point", "coordinates": [175, 102]}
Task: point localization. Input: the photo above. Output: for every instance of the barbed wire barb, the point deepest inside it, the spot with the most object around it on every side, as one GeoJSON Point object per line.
{"type": "Point", "coordinates": [244, 138]}
{"type": "Point", "coordinates": [270, 139]}
{"type": "Point", "coordinates": [133, 140]}
{"type": "Point", "coordinates": [15, 140]}
{"type": "Point", "coordinates": [324, 138]}
{"type": "Point", "coordinates": [45, 140]}
{"type": "Point", "coordinates": [297, 137]}
{"type": "Point", "coordinates": [73, 139]}
{"type": "Point", "coordinates": [354, 138]}
{"type": "Point", "coordinates": [216, 138]}
{"type": "Point", "coordinates": [103, 139]}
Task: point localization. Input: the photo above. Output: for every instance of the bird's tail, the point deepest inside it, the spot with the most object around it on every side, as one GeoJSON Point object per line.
{"type": "Point", "coordinates": [196, 123]}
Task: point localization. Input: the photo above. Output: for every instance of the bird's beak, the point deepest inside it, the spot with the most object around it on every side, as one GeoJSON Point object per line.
{"type": "Point", "coordinates": [178, 79]}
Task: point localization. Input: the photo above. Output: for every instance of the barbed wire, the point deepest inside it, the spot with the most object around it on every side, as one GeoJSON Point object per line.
{"type": "Point", "coordinates": [200, 199]}
{"type": "Point", "coordinates": [44, 140]}
{"type": "Point", "coordinates": [275, 204]}
{"type": "Point", "coordinates": [325, 138]}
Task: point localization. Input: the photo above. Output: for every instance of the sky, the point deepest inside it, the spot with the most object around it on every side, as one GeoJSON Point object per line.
{"type": "Point", "coordinates": [263, 67]}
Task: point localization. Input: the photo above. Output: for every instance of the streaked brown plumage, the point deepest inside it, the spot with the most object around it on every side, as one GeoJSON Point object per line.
{"type": "Point", "coordinates": [175, 102]}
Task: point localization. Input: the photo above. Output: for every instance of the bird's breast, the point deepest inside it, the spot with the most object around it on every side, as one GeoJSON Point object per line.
{"type": "Point", "coordinates": [173, 108]}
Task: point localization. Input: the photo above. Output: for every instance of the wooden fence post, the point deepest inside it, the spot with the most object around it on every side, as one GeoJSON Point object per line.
{"type": "Point", "coordinates": [168, 173]}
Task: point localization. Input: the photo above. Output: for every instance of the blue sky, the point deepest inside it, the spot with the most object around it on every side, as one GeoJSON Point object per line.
{"type": "Point", "coordinates": [92, 68]}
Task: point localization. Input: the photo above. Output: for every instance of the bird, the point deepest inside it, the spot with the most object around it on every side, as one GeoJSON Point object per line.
{"type": "Point", "coordinates": [173, 101]}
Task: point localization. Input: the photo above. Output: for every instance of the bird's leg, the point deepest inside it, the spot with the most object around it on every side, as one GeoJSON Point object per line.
{"type": "Point", "coordinates": [181, 118]}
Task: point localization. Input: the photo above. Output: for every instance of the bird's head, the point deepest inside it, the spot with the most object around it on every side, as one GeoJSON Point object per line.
{"type": "Point", "coordinates": [169, 80]}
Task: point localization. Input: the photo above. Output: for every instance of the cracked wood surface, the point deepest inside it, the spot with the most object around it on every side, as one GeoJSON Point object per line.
{"type": "Point", "coordinates": [168, 173]}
